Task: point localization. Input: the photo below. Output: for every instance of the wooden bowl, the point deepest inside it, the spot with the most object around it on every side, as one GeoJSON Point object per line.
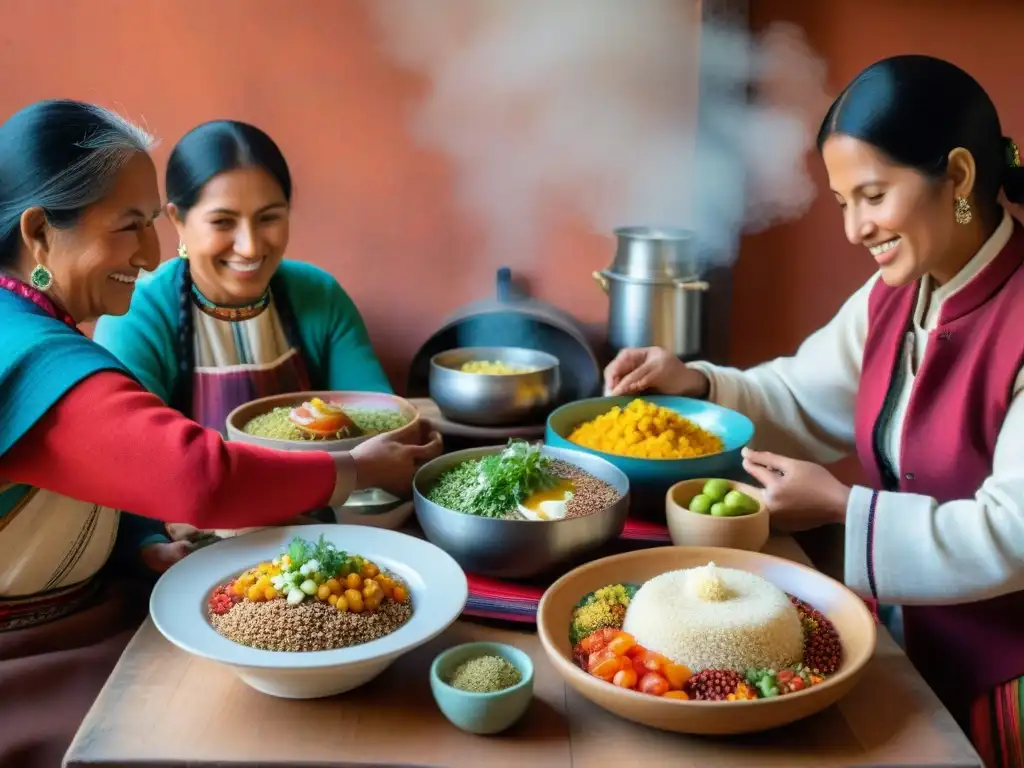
{"type": "Point", "coordinates": [244, 413]}
{"type": "Point", "coordinates": [851, 617]}
{"type": "Point", "coordinates": [689, 529]}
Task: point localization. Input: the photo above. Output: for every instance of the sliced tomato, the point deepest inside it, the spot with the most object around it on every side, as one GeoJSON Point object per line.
{"type": "Point", "coordinates": [320, 419]}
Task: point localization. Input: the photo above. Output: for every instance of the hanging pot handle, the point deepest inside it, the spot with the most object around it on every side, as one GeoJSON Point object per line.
{"type": "Point", "coordinates": [601, 280]}
{"type": "Point", "coordinates": [504, 285]}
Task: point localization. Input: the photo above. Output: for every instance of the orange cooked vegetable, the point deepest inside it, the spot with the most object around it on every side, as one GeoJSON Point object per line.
{"type": "Point", "coordinates": [321, 419]}
{"type": "Point", "coordinates": [681, 695]}
{"type": "Point", "coordinates": [677, 675]}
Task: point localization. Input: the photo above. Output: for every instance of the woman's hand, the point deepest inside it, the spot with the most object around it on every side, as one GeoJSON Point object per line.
{"type": "Point", "coordinates": [389, 461]}
{"type": "Point", "coordinates": [652, 368]}
{"type": "Point", "coordinates": [799, 494]}
{"type": "Point", "coordinates": [159, 557]}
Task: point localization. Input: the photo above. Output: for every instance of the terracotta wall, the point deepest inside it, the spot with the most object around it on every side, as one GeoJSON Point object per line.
{"type": "Point", "coordinates": [378, 211]}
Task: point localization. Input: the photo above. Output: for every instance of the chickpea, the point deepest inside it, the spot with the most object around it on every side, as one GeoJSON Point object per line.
{"type": "Point", "coordinates": [369, 570]}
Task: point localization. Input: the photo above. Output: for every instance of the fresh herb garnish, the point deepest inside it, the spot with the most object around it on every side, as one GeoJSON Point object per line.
{"type": "Point", "coordinates": [329, 557]}
{"type": "Point", "coordinates": [495, 485]}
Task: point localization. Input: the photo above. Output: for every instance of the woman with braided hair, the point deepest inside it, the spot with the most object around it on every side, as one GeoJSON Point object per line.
{"type": "Point", "coordinates": [231, 320]}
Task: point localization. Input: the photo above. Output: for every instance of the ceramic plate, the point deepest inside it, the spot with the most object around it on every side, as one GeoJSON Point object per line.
{"type": "Point", "coordinates": [436, 582]}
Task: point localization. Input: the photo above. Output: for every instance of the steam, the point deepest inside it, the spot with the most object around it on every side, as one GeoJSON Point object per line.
{"type": "Point", "coordinates": [624, 113]}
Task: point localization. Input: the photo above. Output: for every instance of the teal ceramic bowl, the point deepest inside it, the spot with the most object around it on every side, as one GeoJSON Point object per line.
{"type": "Point", "coordinates": [735, 429]}
{"type": "Point", "coordinates": [481, 713]}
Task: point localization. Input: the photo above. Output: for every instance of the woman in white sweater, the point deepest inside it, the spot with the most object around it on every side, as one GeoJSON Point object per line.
{"type": "Point", "coordinates": [919, 374]}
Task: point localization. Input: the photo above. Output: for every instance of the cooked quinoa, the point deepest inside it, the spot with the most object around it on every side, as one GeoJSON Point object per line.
{"type": "Point", "coordinates": [590, 494]}
{"type": "Point", "coordinates": [275, 424]}
{"type": "Point", "coordinates": [716, 618]}
{"type": "Point", "coordinates": [274, 625]}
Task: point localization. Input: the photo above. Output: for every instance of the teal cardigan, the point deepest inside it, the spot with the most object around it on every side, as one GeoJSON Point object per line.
{"type": "Point", "coordinates": [333, 335]}
{"type": "Point", "coordinates": [334, 340]}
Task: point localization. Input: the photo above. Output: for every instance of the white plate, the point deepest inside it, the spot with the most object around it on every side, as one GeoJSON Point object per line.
{"type": "Point", "coordinates": [437, 586]}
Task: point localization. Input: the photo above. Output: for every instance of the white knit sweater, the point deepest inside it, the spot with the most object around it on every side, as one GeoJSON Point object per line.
{"type": "Point", "coordinates": [925, 553]}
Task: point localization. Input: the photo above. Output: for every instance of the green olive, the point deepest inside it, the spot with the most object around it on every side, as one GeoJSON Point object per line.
{"type": "Point", "coordinates": [741, 503]}
{"type": "Point", "coordinates": [720, 510]}
{"type": "Point", "coordinates": [700, 504]}
{"type": "Point", "coordinates": [716, 489]}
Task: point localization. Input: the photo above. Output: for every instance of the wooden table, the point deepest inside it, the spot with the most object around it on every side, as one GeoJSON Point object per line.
{"type": "Point", "coordinates": [163, 708]}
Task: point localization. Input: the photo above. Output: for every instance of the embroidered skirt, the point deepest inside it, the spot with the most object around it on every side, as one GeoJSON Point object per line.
{"type": "Point", "coordinates": [996, 730]}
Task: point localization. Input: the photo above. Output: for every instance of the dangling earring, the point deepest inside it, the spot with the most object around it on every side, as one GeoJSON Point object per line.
{"type": "Point", "coordinates": [182, 251]}
{"type": "Point", "coordinates": [41, 278]}
{"type": "Point", "coordinates": [963, 211]}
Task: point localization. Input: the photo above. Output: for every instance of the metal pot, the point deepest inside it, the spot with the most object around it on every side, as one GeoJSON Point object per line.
{"type": "Point", "coordinates": [491, 401]}
{"type": "Point", "coordinates": [654, 252]}
{"type": "Point", "coordinates": [654, 296]}
{"type": "Point", "coordinates": [513, 319]}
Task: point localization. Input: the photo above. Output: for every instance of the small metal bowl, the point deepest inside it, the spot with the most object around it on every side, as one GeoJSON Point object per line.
{"type": "Point", "coordinates": [490, 400]}
{"type": "Point", "coordinates": [518, 549]}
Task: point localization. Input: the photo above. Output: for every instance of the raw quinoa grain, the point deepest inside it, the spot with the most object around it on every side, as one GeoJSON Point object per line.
{"type": "Point", "coordinates": [274, 625]}
{"type": "Point", "coordinates": [590, 494]}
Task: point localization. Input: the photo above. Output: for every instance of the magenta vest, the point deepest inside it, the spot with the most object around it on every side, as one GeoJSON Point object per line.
{"type": "Point", "coordinates": [961, 394]}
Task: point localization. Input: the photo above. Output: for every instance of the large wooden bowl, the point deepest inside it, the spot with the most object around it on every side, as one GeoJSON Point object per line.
{"type": "Point", "coordinates": [246, 412]}
{"type": "Point", "coordinates": [849, 614]}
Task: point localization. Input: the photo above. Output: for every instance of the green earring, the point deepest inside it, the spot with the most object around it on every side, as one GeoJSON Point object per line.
{"type": "Point", "coordinates": [41, 278]}
{"type": "Point", "coordinates": [182, 251]}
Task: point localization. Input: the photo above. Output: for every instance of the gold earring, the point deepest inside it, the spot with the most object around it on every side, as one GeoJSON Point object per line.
{"type": "Point", "coordinates": [182, 251]}
{"type": "Point", "coordinates": [963, 211]}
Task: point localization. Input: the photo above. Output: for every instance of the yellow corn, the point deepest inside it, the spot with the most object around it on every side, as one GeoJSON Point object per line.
{"type": "Point", "coordinates": [644, 430]}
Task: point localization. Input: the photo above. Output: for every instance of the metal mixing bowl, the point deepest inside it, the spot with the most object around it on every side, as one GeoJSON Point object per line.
{"type": "Point", "coordinates": [519, 549]}
{"type": "Point", "coordinates": [490, 400]}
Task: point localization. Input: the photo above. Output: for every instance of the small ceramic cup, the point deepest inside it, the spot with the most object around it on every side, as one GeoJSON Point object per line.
{"type": "Point", "coordinates": [481, 713]}
{"type": "Point", "coordinates": [689, 529]}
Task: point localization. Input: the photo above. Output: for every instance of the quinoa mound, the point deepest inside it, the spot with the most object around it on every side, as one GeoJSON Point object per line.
{"type": "Point", "coordinates": [274, 625]}
{"type": "Point", "coordinates": [716, 618]}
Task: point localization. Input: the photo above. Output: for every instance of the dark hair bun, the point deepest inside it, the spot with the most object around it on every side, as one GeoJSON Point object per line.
{"type": "Point", "coordinates": [1013, 176]}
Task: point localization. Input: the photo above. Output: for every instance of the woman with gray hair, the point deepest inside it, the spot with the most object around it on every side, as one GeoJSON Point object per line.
{"type": "Point", "coordinates": [80, 438]}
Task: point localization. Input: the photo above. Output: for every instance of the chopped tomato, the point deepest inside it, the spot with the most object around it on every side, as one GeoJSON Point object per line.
{"type": "Point", "coordinates": [597, 640]}
{"type": "Point", "coordinates": [654, 684]}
